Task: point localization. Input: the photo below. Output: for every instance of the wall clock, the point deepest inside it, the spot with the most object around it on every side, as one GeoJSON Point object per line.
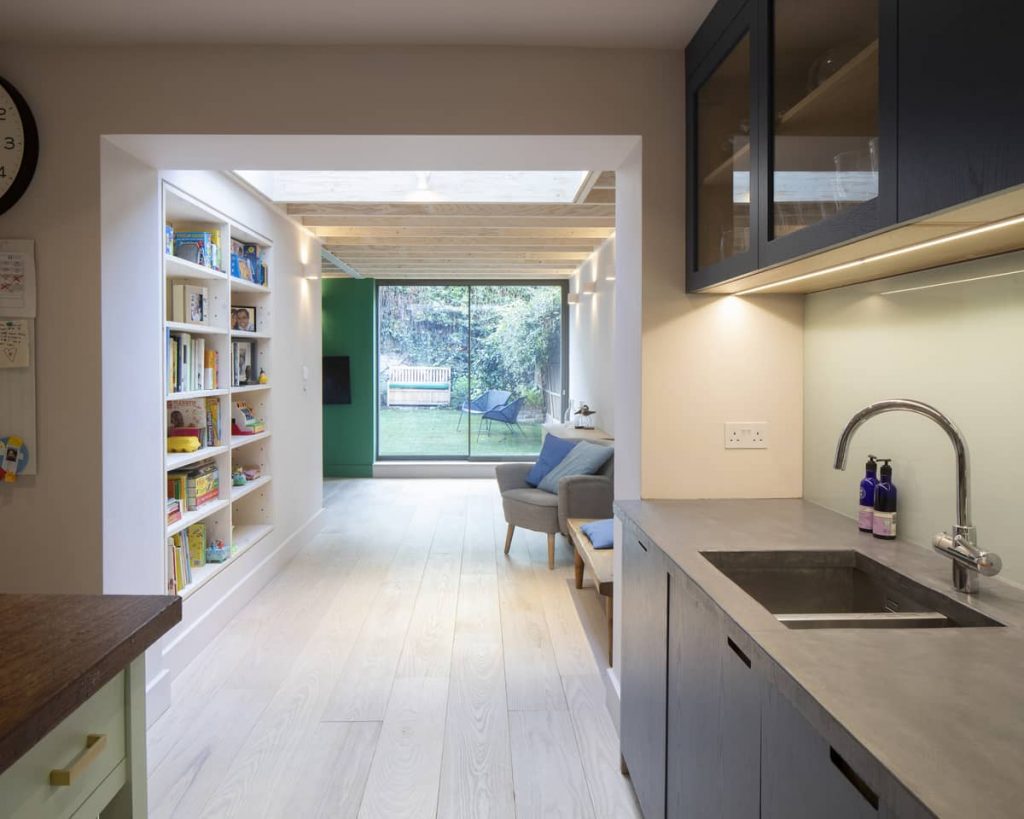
{"type": "Point", "coordinates": [19, 145]}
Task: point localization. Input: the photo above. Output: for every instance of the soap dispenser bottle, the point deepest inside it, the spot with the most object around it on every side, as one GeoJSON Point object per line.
{"type": "Point", "coordinates": [866, 509]}
{"type": "Point", "coordinates": [884, 513]}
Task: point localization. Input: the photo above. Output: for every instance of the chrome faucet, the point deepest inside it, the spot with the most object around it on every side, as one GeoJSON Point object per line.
{"type": "Point", "coordinates": [968, 560]}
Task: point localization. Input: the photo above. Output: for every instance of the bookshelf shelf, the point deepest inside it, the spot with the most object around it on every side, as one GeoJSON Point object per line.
{"type": "Point", "coordinates": [176, 396]}
{"type": "Point", "coordinates": [241, 515]}
{"type": "Point", "coordinates": [183, 269]}
{"type": "Point", "coordinates": [243, 440]}
{"type": "Point", "coordinates": [177, 460]}
{"type": "Point", "coordinates": [242, 284]}
{"type": "Point", "coordinates": [197, 516]}
{"type": "Point", "coordinates": [239, 492]}
{"type": "Point", "coordinates": [195, 329]}
{"type": "Point", "coordinates": [244, 540]}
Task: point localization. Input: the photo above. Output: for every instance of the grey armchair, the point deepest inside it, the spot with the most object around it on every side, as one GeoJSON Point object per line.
{"type": "Point", "coordinates": [579, 496]}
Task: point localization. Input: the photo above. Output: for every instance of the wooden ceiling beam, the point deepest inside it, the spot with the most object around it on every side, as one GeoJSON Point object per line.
{"type": "Point", "coordinates": [461, 222]}
{"type": "Point", "coordinates": [412, 211]}
{"type": "Point", "coordinates": [485, 242]}
{"type": "Point", "coordinates": [404, 230]}
{"type": "Point", "coordinates": [600, 196]}
{"type": "Point", "coordinates": [447, 253]}
{"type": "Point", "coordinates": [605, 181]}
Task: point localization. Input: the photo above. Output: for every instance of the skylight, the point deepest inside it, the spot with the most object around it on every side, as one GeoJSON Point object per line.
{"type": "Point", "coordinates": [417, 186]}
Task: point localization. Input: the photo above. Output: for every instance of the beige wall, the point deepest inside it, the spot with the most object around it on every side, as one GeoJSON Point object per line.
{"type": "Point", "coordinates": [698, 370]}
{"type": "Point", "coordinates": [958, 347]}
{"type": "Point", "coordinates": [592, 376]}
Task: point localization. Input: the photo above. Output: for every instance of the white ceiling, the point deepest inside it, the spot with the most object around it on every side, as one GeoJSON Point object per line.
{"type": "Point", "coordinates": [604, 23]}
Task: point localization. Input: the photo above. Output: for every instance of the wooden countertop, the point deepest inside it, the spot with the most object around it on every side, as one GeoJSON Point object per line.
{"type": "Point", "coordinates": [56, 651]}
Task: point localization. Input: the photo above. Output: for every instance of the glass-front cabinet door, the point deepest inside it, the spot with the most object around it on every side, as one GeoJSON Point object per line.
{"type": "Point", "coordinates": [825, 167]}
{"type": "Point", "coordinates": [723, 132]}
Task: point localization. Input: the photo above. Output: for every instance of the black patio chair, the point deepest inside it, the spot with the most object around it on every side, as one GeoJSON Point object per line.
{"type": "Point", "coordinates": [507, 415]}
{"type": "Point", "coordinates": [484, 402]}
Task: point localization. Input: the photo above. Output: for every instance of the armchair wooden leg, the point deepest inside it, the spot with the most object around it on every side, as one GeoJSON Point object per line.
{"type": "Point", "coordinates": [551, 551]}
{"type": "Point", "coordinates": [508, 537]}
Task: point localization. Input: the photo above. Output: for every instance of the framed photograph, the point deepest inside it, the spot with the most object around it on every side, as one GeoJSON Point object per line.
{"type": "Point", "coordinates": [243, 318]}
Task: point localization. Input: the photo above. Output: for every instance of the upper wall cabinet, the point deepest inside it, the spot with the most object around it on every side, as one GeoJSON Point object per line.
{"type": "Point", "coordinates": [814, 125]}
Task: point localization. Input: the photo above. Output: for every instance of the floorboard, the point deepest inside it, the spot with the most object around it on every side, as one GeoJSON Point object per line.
{"type": "Point", "coordinates": [400, 666]}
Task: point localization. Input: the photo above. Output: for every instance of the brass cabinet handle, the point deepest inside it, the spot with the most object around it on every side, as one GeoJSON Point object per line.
{"type": "Point", "coordinates": [94, 745]}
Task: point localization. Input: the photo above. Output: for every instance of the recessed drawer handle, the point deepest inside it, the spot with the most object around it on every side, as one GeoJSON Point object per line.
{"type": "Point", "coordinates": [94, 745]}
{"type": "Point", "coordinates": [738, 652]}
{"type": "Point", "coordinates": [641, 545]}
{"type": "Point", "coordinates": [853, 778]}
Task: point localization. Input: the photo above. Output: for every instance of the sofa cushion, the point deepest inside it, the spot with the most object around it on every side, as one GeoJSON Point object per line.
{"type": "Point", "coordinates": [534, 497]}
{"type": "Point", "coordinates": [584, 459]}
{"type": "Point", "coordinates": [551, 455]}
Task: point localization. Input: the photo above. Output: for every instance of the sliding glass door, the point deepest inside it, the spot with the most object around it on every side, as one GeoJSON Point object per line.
{"type": "Point", "coordinates": [468, 370]}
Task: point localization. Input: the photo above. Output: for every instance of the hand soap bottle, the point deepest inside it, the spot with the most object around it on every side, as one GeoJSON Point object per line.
{"type": "Point", "coordinates": [866, 510]}
{"type": "Point", "coordinates": [884, 514]}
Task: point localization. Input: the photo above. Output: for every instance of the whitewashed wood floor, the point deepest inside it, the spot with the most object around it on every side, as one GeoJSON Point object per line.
{"type": "Point", "coordinates": [401, 666]}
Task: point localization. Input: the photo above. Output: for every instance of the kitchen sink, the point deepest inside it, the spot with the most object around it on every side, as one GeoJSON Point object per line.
{"type": "Point", "coordinates": [840, 588]}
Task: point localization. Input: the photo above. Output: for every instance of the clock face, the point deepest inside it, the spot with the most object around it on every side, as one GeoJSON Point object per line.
{"type": "Point", "coordinates": [19, 145]}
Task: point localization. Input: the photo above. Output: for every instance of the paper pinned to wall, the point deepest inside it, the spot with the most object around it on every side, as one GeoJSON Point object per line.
{"type": "Point", "coordinates": [17, 278]}
{"type": "Point", "coordinates": [14, 347]}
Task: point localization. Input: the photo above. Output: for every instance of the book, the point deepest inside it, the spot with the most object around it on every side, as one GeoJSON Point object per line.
{"type": "Point", "coordinates": [199, 247]}
{"type": "Point", "coordinates": [188, 413]}
{"type": "Point", "coordinates": [173, 510]}
{"type": "Point", "coordinates": [196, 537]}
{"type": "Point", "coordinates": [213, 428]}
{"type": "Point", "coordinates": [210, 367]}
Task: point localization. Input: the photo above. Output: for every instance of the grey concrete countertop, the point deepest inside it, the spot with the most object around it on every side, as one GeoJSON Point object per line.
{"type": "Point", "coordinates": [942, 710]}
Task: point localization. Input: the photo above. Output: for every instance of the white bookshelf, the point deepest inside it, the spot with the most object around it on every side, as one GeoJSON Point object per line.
{"type": "Point", "coordinates": [240, 515]}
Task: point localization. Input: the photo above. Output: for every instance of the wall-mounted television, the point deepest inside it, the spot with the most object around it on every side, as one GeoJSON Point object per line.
{"type": "Point", "coordinates": [337, 382]}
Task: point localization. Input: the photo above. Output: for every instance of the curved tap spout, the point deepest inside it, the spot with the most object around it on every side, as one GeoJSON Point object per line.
{"type": "Point", "coordinates": [963, 510]}
{"type": "Point", "coordinates": [961, 546]}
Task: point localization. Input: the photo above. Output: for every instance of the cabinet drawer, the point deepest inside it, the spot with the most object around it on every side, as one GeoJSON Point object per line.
{"type": "Point", "coordinates": [25, 789]}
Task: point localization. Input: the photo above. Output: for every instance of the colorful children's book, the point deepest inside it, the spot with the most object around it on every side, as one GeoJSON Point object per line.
{"type": "Point", "coordinates": [196, 536]}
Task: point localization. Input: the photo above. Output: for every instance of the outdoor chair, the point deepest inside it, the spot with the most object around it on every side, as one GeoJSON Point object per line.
{"type": "Point", "coordinates": [507, 415]}
{"type": "Point", "coordinates": [485, 402]}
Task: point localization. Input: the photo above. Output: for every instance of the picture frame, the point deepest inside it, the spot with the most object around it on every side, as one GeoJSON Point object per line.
{"type": "Point", "coordinates": [244, 318]}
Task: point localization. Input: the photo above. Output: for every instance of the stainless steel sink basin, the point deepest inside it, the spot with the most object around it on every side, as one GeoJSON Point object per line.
{"type": "Point", "coordinates": [840, 588]}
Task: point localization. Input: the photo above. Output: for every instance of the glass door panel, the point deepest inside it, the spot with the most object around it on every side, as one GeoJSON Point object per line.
{"type": "Point", "coordinates": [825, 111]}
{"type": "Point", "coordinates": [515, 367]}
{"type": "Point", "coordinates": [423, 371]}
{"type": "Point", "coordinates": [723, 159]}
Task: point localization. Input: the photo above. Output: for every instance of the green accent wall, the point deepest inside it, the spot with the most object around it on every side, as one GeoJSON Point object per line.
{"type": "Point", "coordinates": [348, 330]}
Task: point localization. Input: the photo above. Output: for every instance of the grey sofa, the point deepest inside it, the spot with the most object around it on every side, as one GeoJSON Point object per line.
{"type": "Point", "coordinates": [579, 496]}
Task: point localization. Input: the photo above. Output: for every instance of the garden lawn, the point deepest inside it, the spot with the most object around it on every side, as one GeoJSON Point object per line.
{"type": "Point", "coordinates": [436, 432]}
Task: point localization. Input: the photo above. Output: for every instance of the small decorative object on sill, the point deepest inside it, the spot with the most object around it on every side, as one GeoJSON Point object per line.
{"type": "Point", "coordinates": [584, 417]}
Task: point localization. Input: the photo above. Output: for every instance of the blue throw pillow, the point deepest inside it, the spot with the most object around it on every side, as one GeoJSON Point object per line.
{"type": "Point", "coordinates": [600, 532]}
{"type": "Point", "coordinates": [551, 455]}
{"type": "Point", "coordinates": [584, 459]}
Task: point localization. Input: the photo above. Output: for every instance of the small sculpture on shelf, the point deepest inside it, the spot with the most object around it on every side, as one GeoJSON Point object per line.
{"type": "Point", "coordinates": [217, 552]}
{"type": "Point", "coordinates": [584, 417]}
{"type": "Point", "coordinates": [238, 476]}
{"type": "Point", "coordinates": [264, 378]}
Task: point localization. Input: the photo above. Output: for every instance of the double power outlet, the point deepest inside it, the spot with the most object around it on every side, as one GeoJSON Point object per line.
{"type": "Point", "coordinates": [746, 435]}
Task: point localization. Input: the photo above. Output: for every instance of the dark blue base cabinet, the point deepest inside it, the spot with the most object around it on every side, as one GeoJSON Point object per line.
{"type": "Point", "coordinates": [705, 732]}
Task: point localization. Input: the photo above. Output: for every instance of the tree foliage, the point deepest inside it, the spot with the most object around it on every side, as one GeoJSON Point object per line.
{"type": "Point", "coordinates": [512, 333]}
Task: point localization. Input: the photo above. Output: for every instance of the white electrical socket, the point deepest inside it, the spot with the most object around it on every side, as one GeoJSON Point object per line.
{"type": "Point", "coordinates": [746, 435]}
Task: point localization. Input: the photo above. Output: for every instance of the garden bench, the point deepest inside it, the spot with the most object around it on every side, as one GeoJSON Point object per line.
{"type": "Point", "coordinates": [420, 387]}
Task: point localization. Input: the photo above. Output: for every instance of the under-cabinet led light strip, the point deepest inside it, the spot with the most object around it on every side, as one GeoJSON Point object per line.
{"type": "Point", "coordinates": [890, 254]}
{"type": "Point", "coordinates": [955, 281]}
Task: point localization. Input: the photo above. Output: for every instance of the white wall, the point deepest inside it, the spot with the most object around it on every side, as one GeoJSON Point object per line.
{"type": "Point", "coordinates": [592, 377]}
{"type": "Point", "coordinates": [958, 347]}
{"type": "Point", "coordinates": [698, 371]}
